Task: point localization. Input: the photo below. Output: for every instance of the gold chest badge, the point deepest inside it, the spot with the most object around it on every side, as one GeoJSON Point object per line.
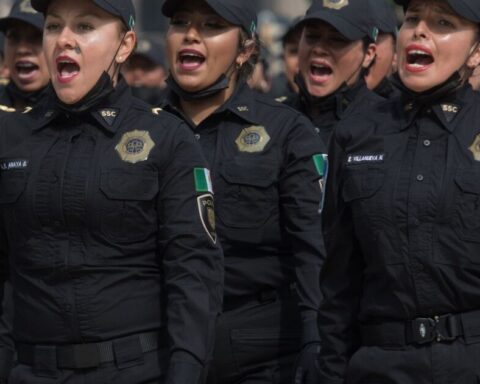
{"type": "Point", "coordinates": [335, 4]}
{"type": "Point", "coordinates": [252, 139]}
{"type": "Point", "coordinates": [135, 146]}
{"type": "Point", "coordinates": [475, 148]}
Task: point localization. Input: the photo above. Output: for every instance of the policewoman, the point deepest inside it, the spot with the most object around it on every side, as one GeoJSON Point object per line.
{"type": "Point", "coordinates": [377, 75]}
{"type": "Point", "coordinates": [268, 170]}
{"type": "Point", "coordinates": [24, 57]}
{"type": "Point", "coordinates": [336, 48]}
{"type": "Point", "coordinates": [106, 219]}
{"type": "Point", "coordinates": [402, 221]}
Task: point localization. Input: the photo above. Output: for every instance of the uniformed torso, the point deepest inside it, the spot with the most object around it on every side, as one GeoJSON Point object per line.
{"type": "Point", "coordinates": [414, 192]}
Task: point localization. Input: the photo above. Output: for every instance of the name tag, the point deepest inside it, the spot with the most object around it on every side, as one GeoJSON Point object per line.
{"type": "Point", "coordinates": [366, 158]}
{"type": "Point", "coordinates": [8, 165]}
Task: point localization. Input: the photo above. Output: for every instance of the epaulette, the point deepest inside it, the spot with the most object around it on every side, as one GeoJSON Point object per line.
{"type": "Point", "coordinates": [5, 108]}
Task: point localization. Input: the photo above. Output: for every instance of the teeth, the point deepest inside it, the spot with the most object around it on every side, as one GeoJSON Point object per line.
{"type": "Point", "coordinates": [416, 52]}
{"type": "Point", "coordinates": [25, 65]}
{"type": "Point", "coordinates": [320, 66]}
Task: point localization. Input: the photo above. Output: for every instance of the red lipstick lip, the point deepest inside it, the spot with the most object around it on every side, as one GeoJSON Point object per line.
{"type": "Point", "coordinates": [65, 58]}
{"type": "Point", "coordinates": [414, 68]}
{"type": "Point", "coordinates": [65, 79]}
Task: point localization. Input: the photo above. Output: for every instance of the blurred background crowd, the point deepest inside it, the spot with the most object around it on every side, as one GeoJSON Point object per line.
{"type": "Point", "coordinates": [147, 69]}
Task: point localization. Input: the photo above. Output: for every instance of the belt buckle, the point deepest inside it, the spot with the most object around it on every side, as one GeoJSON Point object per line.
{"type": "Point", "coordinates": [424, 330]}
{"type": "Point", "coordinates": [443, 323]}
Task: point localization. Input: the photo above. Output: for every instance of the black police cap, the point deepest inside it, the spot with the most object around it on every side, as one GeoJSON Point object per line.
{"type": "Point", "coordinates": [384, 16]}
{"type": "Point", "coordinates": [236, 12]}
{"type": "Point", "coordinates": [123, 9]}
{"type": "Point", "coordinates": [292, 29]}
{"type": "Point", "coordinates": [351, 18]}
{"type": "Point", "coordinates": [151, 50]}
{"type": "Point", "coordinates": [468, 9]}
{"type": "Point", "coordinates": [22, 11]}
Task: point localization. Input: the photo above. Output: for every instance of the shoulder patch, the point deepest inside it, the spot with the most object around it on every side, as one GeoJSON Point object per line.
{"type": "Point", "coordinates": [206, 210]}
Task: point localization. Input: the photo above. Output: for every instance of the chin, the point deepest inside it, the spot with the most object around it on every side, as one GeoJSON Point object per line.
{"type": "Point", "coordinates": [68, 97]}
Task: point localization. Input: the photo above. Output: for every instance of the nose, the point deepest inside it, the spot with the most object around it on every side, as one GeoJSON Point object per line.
{"type": "Point", "coordinates": [192, 34]}
{"type": "Point", "coordinates": [421, 29]}
{"type": "Point", "coordinates": [66, 39]}
{"type": "Point", "coordinates": [320, 47]}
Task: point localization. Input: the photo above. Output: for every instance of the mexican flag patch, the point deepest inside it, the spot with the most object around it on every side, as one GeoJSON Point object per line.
{"type": "Point", "coordinates": [203, 182]}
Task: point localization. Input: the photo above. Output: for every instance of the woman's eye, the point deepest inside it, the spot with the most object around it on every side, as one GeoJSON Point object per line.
{"type": "Point", "coordinates": [178, 21]}
{"type": "Point", "coordinates": [85, 27]}
{"type": "Point", "coordinates": [52, 27]}
{"type": "Point", "coordinates": [411, 19]}
{"type": "Point", "coordinates": [214, 24]}
{"type": "Point", "coordinates": [445, 23]}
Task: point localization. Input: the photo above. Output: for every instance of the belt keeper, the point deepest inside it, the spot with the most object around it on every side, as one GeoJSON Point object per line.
{"type": "Point", "coordinates": [45, 361]}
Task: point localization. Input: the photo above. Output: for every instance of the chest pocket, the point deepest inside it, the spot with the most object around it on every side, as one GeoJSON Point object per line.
{"type": "Point", "coordinates": [359, 191]}
{"type": "Point", "coordinates": [12, 184]}
{"type": "Point", "coordinates": [128, 209]}
{"type": "Point", "coordinates": [248, 196]}
{"type": "Point", "coordinates": [467, 210]}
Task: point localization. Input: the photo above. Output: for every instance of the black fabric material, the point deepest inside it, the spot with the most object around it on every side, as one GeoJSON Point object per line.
{"type": "Point", "coordinates": [218, 86]}
{"type": "Point", "coordinates": [469, 9]}
{"type": "Point", "coordinates": [401, 225]}
{"type": "Point", "coordinates": [267, 200]}
{"type": "Point", "coordinates": [22, 11]}
{"type": "Point", "coordinates": [123, 9]}
{"type": "Point", "coordinates": [353, 19]}
{"type": "Point", "coordinates": [105, 243]}
{"type": "Point", "coordinates": [257, 343]}
{"type": "Point", "coordinates": [238, 12]}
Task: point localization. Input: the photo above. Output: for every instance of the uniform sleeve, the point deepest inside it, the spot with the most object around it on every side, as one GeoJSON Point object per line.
{"type": "Point", "coordinates": [301, 196]}
{"type": "Point", "coordinates": [191, 258]}
{"type": "Point", "coordinates": [341, 278]}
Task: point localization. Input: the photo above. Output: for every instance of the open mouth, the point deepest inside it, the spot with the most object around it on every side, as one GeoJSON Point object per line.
{"type": "Point", "coordinates": [419, 58]}
{"type": "Point", "coordinates": [26, 69]}
{"type": "Point", "coordinates": [67, 68]}
{"type": "Point", "coordinates": [320, 70]}
{"type": "Point", "coordinates": [191, 59]}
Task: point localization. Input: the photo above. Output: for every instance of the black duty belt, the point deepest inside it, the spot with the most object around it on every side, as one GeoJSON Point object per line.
{"type": "Point", "coordinates": [262, 297]}
{"type": "Point", "coordinates": [80, 356]}
{"type": "Point", "coordinates": [422, 330]}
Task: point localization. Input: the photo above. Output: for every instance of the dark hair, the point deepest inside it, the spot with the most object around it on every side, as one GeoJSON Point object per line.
{"type": "Point", "coordinates": [246, 70]}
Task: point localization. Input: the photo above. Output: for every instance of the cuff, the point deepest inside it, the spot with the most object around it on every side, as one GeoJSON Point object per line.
{"type": "Point", "coordinates": [184, 368]}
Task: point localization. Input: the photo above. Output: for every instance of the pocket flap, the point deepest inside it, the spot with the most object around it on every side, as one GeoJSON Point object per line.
{"type": "Point", "coordinates": [254, 175]}
{"type": "Point", "coordinates": [129, 185]}
{"type": "Point", "coordinates": [361, 184]}
{"type": "Point", "coordinates": [468, 181]}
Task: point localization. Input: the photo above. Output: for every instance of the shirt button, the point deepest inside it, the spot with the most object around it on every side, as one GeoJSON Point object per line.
{"type": "Point", "coordinates": [197, 136]}
{"type": "Point", "coordinates": [427, 143]}
{"type": "Point", "coordinates": [420, 177]}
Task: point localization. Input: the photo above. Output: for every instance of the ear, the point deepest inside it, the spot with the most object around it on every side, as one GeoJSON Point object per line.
{"type": "Point", "coordinates": [474, 58]}
{"type": "Point", "coordinates": [247, 50]}
{"type": "Point", "coordinates": [370, 54]}
{"type": "Point", "coordinates": [127, 46]}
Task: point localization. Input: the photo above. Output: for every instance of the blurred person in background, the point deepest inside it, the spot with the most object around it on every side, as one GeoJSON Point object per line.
{"type": "Point", "coordinates": [260, 79]}
{"type": "Point", "coordinates": [3, 68]}
{"type": "Point", "coordinates": [336, 48]}
{"type": "Point", "coordinates": [378, 73]}
{"type": "Point", "coordinates": [145, 70]}
{"type": "Point", "coordinates": [23, 56]}
{"type": "Point", "coordinates": [283, 85]}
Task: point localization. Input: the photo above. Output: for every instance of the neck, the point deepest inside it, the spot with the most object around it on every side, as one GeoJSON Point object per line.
{"type": "Point", "coordinates": [199, 110]}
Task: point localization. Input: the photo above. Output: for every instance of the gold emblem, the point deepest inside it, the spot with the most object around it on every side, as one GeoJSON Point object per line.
{"type": "Point", "coordinates": [135, 146]}
{"type": "Point", "coordinates": [475, 148]}
{"type": "Point", "coordinates": [4, 108]}
{"type": "Point", "coordinates": [252, 139]}
{"type": "Point", "coordinates": [27, 110]}
{"type": "Point", "coordinates": [156, 111]}
{"type": "Point", "coordinates": [335, 4]}
{"type": "Point", "coordinates": [26, 7]}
